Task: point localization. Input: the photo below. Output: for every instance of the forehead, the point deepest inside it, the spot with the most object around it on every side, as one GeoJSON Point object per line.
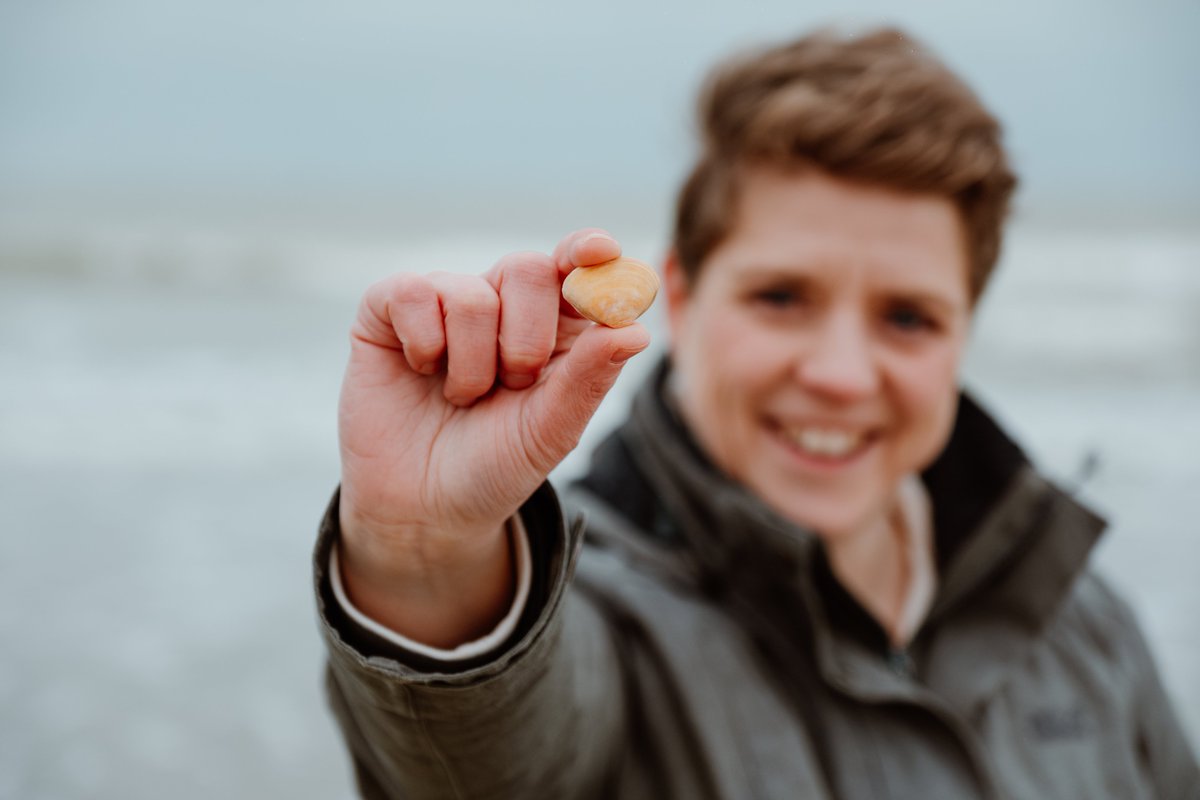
{"type": "Point", "coordinates": [818, 225]}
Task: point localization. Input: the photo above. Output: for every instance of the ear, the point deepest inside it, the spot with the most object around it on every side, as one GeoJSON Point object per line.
{"type": "Point", "coordinates": [678, 294]}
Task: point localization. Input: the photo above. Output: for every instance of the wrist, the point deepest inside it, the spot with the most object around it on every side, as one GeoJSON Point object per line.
{"type": "Point", "coordinates": [490, 643]}
{"type": "Point", "coordinates": [409, 548]}
{"type": "Point", "coordinates": [438, 589]}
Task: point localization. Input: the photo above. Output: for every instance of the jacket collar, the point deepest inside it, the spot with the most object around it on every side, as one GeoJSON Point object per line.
{"type": "Point", "coordinates": [1009, 544]}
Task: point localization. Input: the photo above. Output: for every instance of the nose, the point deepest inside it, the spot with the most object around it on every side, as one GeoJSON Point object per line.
{"type": "Point", "coordinates": [838, 361]}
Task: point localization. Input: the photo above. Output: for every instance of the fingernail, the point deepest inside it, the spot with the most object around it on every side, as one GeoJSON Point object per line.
{"type": "Point", "coordinates": [621, 356]}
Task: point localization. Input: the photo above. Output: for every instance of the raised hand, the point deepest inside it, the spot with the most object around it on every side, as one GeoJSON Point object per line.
{"type": "Point", "coordinates": [461, 394]}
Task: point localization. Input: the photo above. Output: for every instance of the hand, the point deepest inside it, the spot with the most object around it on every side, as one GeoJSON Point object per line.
{"type": "Point", "coordinates": [461, 395]}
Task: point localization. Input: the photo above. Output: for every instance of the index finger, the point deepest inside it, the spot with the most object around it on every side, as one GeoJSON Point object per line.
{"type": "Point", "coordinates": [585, 248]}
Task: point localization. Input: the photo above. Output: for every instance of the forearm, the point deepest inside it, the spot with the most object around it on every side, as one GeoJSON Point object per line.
{"type": "Point", "coordinates": [542, 727]}
{"type": "Point", "coordinates": [539, 717]}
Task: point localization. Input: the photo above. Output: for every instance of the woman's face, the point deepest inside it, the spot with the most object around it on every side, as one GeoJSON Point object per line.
{"type": "Point", "coordinates": [817, 351]}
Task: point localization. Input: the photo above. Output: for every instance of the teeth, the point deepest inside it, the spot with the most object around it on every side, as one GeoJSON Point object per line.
{"type": "Point", "coordinates": [825, 441]}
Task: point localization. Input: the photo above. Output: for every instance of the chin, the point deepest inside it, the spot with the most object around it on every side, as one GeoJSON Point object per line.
{"type": "Point", "coordinates": [818, 515]}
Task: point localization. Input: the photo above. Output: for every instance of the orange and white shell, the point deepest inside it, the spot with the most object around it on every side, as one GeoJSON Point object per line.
{"type": "Point", "coordinates": [614, 293]}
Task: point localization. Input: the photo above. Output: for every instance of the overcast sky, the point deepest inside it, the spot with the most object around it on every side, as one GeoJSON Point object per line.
{"type": "Point", "coordinates": [490, 111]}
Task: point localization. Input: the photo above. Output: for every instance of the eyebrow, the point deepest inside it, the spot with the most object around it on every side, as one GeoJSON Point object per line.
{"type": "Point", "coordinates": [925, 299]}
{"type": "Point", "coordinates": [798, 276]}
{"type": "Point", "coordinates": [770, 274]}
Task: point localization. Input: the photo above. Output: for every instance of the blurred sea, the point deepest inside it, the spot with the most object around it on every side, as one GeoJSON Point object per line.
{"type": "Point", "coordinates": [167, 446]}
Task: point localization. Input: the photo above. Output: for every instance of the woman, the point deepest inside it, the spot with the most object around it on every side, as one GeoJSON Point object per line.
{"type": "Point", "coordinates": [812, 568]}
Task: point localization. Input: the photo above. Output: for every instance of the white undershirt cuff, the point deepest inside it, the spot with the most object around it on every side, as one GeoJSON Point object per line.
{"type": "Point", "coordinates": [519, 539]}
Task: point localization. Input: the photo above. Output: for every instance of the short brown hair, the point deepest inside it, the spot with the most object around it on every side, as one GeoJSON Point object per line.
{"type": "Point", "coordinates": [874, 107]}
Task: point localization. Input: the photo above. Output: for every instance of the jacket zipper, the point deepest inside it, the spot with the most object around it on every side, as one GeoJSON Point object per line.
{"type": "Point", "coordinates": [900, 662]}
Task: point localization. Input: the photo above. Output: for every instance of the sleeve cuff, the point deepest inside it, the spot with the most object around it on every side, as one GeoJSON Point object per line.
{"type": "Point", "coordinates": [519, 539]}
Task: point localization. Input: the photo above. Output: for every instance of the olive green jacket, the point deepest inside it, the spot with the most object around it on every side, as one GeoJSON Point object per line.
{"type": "Point", "coordinates": [694, 645]}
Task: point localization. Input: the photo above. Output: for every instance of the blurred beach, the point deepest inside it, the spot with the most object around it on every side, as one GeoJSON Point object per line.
{"type": "Point", "coordinates": [167, 445]}
{"type": "Point", "coordinates": [194, 195]}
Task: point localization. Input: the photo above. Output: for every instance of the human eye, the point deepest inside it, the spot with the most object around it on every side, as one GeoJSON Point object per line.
{"type": "Point", "coordinates": [781, 295]}
{"type": "Point", "coordinates": [907, 318]}
{"type": "Point", "coordinates": [777, 297]}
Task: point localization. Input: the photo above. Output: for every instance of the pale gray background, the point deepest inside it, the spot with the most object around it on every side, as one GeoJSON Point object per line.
{"type": "Point", "coordinates": [192, 195]}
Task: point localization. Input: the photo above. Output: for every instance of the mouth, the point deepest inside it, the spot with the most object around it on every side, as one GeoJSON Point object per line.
{"type": "Point", "coordinates": [825, 445]}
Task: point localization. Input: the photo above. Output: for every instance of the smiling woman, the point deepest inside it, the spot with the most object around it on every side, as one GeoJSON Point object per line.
{"type": "Point", "coordinates": [816, 361]}
{"type": "Point", "coordinates": [810, 567]}
{"type": "Point", "coordinates": [817, 351]}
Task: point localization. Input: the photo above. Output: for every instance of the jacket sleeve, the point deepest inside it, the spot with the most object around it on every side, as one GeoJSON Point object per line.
{"type": "Point", "coordinates": [539, 717]}
{"type": "Point", "coordinates": [1163, 745]}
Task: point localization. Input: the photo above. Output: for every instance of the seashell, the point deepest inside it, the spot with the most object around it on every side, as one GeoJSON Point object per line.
{"type": "Point", "coordinates": [614, 293]}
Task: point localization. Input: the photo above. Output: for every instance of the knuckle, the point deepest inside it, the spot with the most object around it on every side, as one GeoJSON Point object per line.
{"type": "Point", "coordinates": [399, 296]}
{"type": "Point", "coordinates": [527, 269]}
{"type": "Point", "coordinates": [404, 286]}
{"type": "Point", "coordinates": [472, 298]}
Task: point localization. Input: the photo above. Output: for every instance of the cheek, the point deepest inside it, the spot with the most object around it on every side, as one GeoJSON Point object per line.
{"type": "Point", "coordinates": [726, 354]}
{"type": "Point", "coordinates": [929, 397]}
{"type": "Point", "coordinates": [727, 369]}
{"type": "Point", "coordinates": [756, 365]}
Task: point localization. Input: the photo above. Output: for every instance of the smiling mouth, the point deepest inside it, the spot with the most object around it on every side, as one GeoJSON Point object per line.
{"type": "Point", "coordinates": [825, 443]}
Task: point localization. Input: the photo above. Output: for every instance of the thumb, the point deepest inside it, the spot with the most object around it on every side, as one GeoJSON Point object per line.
{"type": "Point", "coordinates": [574, 389]}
